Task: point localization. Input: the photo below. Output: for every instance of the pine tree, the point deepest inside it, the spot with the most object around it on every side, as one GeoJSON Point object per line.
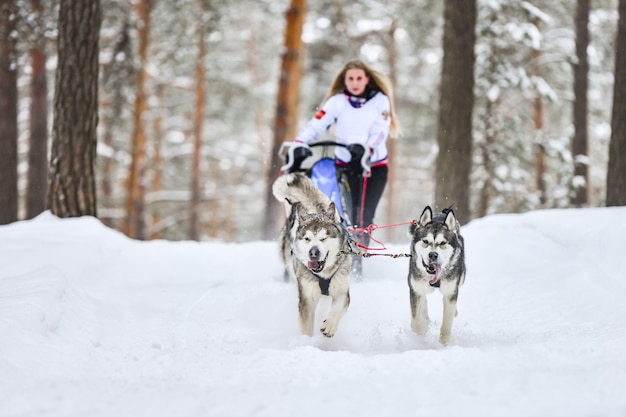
{"type": "Point", "coordinates": [455, 108]}
{"type": "Point", "coordinates": [72, 191]}
{"type": "Point", "coordinates": [616, 173]}
{"type": "Point", "coordinates": [8, 112]}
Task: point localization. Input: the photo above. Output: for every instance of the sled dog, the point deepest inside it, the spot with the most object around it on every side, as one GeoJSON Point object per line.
{"type": "Point", "coordinates": [437, 261]}
{"type": "Point", "coordinates": [315, 250]}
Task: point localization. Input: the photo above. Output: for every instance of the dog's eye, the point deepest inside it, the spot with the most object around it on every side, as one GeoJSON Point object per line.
{"type": "Point", "coordinates": [307, 239]}
{"type": "Point", "coordinates": [443, 243]}
{"type": "Point", "coordinates": [425, 242]}
{"type": "Point", "coordinates": [323, 238]}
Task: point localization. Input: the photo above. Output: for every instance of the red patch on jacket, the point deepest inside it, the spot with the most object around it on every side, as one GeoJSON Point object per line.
{"type": "Point", "coordinates": [320, 114]}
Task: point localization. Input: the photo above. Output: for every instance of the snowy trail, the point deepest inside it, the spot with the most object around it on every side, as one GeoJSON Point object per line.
{"type": "Point", "coordinates": [93, 323]}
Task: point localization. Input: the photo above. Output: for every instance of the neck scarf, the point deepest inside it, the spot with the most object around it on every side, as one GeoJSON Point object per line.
{"type": "Point", "coordinates": [360, 100]}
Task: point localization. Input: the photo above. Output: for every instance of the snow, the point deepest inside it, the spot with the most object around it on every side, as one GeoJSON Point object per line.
{"type": "Point", "coordinates": [95, 324]}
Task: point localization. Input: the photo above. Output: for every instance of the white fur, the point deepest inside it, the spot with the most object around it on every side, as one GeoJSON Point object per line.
{"type": "Point", "coordinates": [450, 276]}
{"type": "Point", "coordinates": [296, 247]}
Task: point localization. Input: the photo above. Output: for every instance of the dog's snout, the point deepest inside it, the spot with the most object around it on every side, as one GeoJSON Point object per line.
{"type": "Point", "coordinates": [314, 253]}
{"type": "Point", "coordinates": [432, 256]}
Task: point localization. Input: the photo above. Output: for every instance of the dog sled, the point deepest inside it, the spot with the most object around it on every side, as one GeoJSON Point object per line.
{"type": "Point", "coordinates": [317, 161]}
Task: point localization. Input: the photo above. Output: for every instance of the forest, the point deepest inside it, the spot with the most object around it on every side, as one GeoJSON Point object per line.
{"type": "Point", "coordinates": [163, 118]}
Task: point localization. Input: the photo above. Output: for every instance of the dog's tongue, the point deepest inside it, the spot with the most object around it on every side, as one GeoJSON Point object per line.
{"type": "Point", "coordinates": [437, 272]}
{"type": "Point", "coordinates": [314, 265]}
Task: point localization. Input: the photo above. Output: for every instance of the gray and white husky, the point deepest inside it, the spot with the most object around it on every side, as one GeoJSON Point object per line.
{"type": "Point", "coordinates": [315, 249]}
{"type": "Point", "coordinates": [437, 261]}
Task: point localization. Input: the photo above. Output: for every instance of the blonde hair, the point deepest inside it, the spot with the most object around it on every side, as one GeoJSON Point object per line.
{"type": "Point", "coordinates": [378, 82]}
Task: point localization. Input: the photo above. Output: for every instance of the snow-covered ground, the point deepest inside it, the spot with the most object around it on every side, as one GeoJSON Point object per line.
{"type": "Point", "coordinates": [95, 324]}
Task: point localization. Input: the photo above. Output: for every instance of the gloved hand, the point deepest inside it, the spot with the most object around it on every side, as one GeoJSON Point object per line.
{"type": "Point", "coordinates": [297, 152]}
{"type": "Point", "coordinates": [361, 159]}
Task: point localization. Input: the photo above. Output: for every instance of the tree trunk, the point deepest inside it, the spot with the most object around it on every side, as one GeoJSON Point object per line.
{"type": "Point", "coordinates": [233, 199]}
{"type": "Point", "coordinates": [491, 128]}
{"type": "Point", "coordinates": [157, 162]}
{"type": "Point", "coordinates": [392, 211]}
{"type": "Point", "coordinates": [454, 135]}
{"type": "Point", "coordinates": [215, 202]}
{"type": "Point", "coordinates": [115, 78]}
{"type": "Point", "coordinates": [194, 204]}
{"type": "Point", "coordinates": [135, 199]}
{"type": "Point", "coordinates": [8, 113]}
{"type": "Point", "coordinates": [540, 149]}
{"type": "Point", "coordinates": [38, 151]}
{"type": "Point", "coordinates": [106, 179]}
{"type": "Point", "coordinates": [579, 197]}
{"type": "Point", "coordinates": [286, 108]}
{"type": "Point", "coordinates": [616, 173]}
{"type": "Point", "coordinates": [72, 190]}
{"type": "Point", "coordinates": [256, 86]}
{"type": "Point", "coordinates": [491, 134]}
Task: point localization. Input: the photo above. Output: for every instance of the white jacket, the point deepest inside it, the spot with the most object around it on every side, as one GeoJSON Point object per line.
{"type": "Point", "coordinates": [367, 125]}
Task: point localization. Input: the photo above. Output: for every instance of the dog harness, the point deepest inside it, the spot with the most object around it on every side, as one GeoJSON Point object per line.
{"type": "Point", "coordinates": [324, 284]}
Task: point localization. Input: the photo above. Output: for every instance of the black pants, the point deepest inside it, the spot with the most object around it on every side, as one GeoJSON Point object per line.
{"type": "Point", "coordinates": [373, 192]}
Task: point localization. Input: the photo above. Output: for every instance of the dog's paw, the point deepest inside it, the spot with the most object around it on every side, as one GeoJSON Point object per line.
{"type": "Point", "coordinates": [444, 338]}
{"type": "Point", "coordinates": [420, 326]}
{"type": "Point", "coordinates": [329, 327]}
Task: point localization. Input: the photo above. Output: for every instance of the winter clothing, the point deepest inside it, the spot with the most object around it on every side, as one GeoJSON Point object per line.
{"type": "Point", "coordinates": [363, 120]}
{"type": "Point", "coordinates": [374, 191]}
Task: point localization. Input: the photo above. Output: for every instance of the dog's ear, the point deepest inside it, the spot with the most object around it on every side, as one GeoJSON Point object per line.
{"type": "Point", "coordinates": [302, 214]}
{"type": "Point", "coordinates": [332, 213]}
{"type": "Point", "coordinates": [450, 221]}
{"type": "Point", "coordinates": [292, 218]}
{"type": "Point", "coordinates": [412, 227]}
{"type": "Point", "coordinates": [289, 207]}
{"type": "Point", "coordinates": [426, 217]}
{"type": "Point", "coordinates": [296, 208]}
